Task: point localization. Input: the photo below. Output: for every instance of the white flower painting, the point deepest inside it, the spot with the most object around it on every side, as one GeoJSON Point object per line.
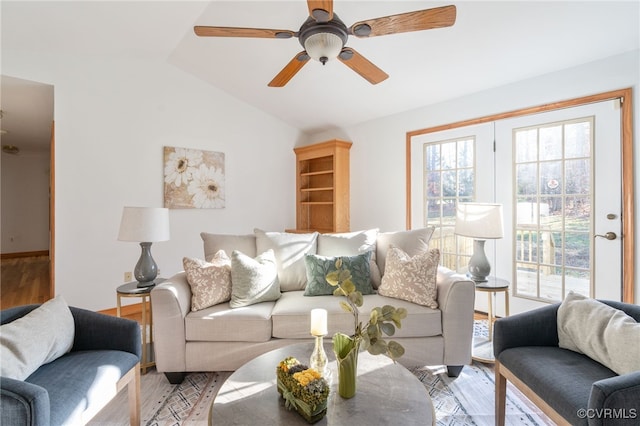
{"type": "Point", "coordinates": [193, 179]}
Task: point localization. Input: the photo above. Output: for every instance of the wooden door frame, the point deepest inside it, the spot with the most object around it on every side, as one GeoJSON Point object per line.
{"type": "Point", "coordinates": [52, 213]}
{"type": "Point", "coordinates": [628, 196]}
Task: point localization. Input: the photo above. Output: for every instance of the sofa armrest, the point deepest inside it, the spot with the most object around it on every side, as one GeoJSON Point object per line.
{"type": "Point", "coordinates": [533, 328]}
{"type": "Point", "coordinates": [94, 330]}
{"type": "Point", "coordinates": [171, 302]}
{"type": "Point", "coordinates": [456, 298]}
{"type": "Point", "coordinates": [23, 403]}
{"type": "Point", "coordinates": [615, 400]}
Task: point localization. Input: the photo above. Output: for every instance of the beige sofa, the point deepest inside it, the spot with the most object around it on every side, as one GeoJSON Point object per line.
{"type": "Point", "coordinates": [222, 338]}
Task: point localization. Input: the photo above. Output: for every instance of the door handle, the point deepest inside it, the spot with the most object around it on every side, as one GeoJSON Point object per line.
{"type": "Point", "coordinates": [608, 236]}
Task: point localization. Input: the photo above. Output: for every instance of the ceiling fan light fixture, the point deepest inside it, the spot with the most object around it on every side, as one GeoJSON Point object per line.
{"type": "Point", "coordinates": [323, 46]}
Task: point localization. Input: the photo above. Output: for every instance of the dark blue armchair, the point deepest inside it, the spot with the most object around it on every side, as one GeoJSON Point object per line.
{"type": "Point", "coordinates": [71, 389]}
{"type": "Point", "coordinates": [569, 387]}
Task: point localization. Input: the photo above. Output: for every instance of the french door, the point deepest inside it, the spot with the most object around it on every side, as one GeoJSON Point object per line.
{"type": "Point", "coordinates": [558, 176]}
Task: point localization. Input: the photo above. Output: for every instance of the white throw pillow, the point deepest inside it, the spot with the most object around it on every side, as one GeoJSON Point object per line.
{"type": "Point", "coordinates": [352, 244]}
{"type": "Point", "coordinates": [412, 242]}
{"type": "Point", "coordinates": [411, 278]}
{"type": "Point", "coordinates": [289, 249]}
{"type": "Point", "coordinates": [601, 332]}
{"type": "Point", "coordinates": [210, 282]}
{"type": "Point", "coordinates": [39, 337]}
{"type": "Point", "coordinates": [253, 280]}
{"type": "Point", "coordinates": [228, 242]}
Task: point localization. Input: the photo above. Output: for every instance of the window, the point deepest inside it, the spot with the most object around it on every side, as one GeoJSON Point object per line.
{"type": "Point", "coordinates": [449, 178]}
{"type": "Point", "coordinates": [553, 216]}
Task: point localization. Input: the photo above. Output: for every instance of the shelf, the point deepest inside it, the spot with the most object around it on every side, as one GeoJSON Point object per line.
{"type": "Point", "coordinates": [323, 172]}
{"type": "Point", "coordinates": [329, 188]}
{"type": "Point", "coordinates": [316, 203]}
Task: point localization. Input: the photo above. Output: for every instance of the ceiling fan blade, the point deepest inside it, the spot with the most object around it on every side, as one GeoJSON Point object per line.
{"type": "Point", "coordinates": [321, 10]}
{"type": "Point", "coordinates": [290, 70]}
{"type": "Point", "coordinates": [203, 31]}
{"type": "Point", "coordinates": [362, 66]}
{"type": "Point", "coordinates": [419, 20]}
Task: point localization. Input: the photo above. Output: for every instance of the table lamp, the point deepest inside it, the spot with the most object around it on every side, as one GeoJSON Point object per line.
{"type": "Point", "coordinates": [480, 221]}
{"type": "Point", "coordinates": [145, 225]}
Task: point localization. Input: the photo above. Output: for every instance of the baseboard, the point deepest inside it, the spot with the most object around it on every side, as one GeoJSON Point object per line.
{"type": "Point", "coordinates": [125, 311]}
{"type": "Point", "coordinates": [17, 255]}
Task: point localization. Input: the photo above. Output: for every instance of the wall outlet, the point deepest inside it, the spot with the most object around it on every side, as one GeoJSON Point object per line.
{"type": "Point", "coordinates": [128, 277]}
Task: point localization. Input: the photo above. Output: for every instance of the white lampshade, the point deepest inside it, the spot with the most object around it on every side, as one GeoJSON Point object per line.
{"type": "Point", "coordinates": [144, 224]}
{"type": "Point", "coordinates": [323, 45]}
{"type": "Point", "coordinates": [482, 221]}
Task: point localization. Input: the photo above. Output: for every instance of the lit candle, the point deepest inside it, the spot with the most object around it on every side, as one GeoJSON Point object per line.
{"type": "Point", "coordinates": [318, 322]}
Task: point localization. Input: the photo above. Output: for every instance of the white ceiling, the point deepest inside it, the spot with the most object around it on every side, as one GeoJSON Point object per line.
{"type": "Point", "coordinates": [491, 44]}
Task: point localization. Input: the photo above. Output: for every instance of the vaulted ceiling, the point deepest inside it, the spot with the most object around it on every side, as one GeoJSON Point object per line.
{"type": "Point", "coordinates": [491, 44]}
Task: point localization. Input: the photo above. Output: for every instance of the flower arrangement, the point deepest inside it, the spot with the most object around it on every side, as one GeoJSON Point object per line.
{"type": "Point", "coordinates": [303, 389]}
{"type": "Point", "coordinates": [382, 320]}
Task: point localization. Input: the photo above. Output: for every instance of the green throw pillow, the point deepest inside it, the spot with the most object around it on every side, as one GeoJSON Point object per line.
{"type": "Point", "coordinates": [318, 267]}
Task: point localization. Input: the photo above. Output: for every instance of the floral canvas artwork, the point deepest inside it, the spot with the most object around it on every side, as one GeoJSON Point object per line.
{"type": "Point", "coordinates": [193, 179]}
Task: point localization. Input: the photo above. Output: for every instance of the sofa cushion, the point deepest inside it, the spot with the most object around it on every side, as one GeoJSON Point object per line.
{"type": "Point", "coordinates": [411, 278]}
{"type": "Point", "coordinates": [351, 244]}
{"type": "Point", "coordinates": [210, 282]}
{"type": "Point", "coordinates": [413, 242]}
{"type": "Point", "coordinates": [228, 242]}
{"type": "Point", "coordinates": [291, 316]}
{"type": "Point", "coordinates": [318, 267]}
{"type": "Point", "coordinates": [539, 367]}
{"type": "Point", "coordinates": [39, 337]}
{"type": "Point", "coordinates": [253, 280]}
{"type": "Point", "coordinates": [601, 332]}
{"type": "Point", "coordinates": [225, 324]}
{"type": "Point", "coordinates": [289, 249]}
{"type": "Point", "coordinates": [81, 383]}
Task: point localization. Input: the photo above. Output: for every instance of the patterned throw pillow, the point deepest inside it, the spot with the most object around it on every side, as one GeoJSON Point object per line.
{"type": "Point", "coordinates": [411, 278]}
{"type": "Point", "coordinates": [254, 280]}
{"type": "Point", "coordinates": [319, 266]}
{"type": "Point", "coordinates": [210, 282]}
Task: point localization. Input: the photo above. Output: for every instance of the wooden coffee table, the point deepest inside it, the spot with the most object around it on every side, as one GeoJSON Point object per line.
{"type": "Point", "coordinates": [387, 393]}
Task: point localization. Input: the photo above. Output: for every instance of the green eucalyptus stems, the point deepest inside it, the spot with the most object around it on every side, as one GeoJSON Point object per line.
{"type": "Point", "coordinates": [382, 320]}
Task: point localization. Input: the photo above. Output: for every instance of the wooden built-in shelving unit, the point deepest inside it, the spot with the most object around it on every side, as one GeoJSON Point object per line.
{"type": "Point", "coordinates": [322, 187]}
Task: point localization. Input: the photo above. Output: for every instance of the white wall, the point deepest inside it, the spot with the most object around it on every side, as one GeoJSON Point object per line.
{"type": "Point", "coordinates": [378, 196]}
{"type": "Point", "coordinates": [25, 198]}
{"type": "Point", "coordinates": [113, 116]}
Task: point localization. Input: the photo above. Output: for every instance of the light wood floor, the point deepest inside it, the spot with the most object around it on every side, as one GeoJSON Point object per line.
{"type": "Point", "coordinates": [24, 280]}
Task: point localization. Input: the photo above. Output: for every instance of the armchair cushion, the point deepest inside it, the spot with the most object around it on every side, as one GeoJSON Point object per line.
{"type": "Point", "coordinates": [610, 336]}
{"type": "Point", "coordinates": [39, 337]}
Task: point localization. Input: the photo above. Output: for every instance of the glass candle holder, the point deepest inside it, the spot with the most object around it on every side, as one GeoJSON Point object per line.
{"type": "Point", "coordinates": [318, 359]}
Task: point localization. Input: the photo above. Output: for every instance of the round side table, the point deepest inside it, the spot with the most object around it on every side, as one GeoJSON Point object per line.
{"type": "Point", "coordinates": [482, 349]}
{"type": "Point", "coordinates": [132, 290]}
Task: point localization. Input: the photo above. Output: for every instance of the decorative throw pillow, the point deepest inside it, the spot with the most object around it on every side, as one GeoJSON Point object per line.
{"type": "Point", "coordinates": [253, 280]}
{"type": "Point", "coordinates": [39, 337]}
{"type": "Point", "coordinates": [289, 249]}
{"type": "Point", "coordinates": [319, 266]}
{"type": "Point", "coordinates": [412, 242]}
{"type": "Point", "coordinates": [411, 278]}
{"type": "Point", "coordinates": [210, 282]}
{"type": "Point", "coordinates": [351, 244]}
{"type": "Point", "coordinates": [601, 332]}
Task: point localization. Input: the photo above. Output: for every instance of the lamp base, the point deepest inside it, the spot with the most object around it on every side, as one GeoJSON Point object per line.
{"type": "Point", "coordinates": [146, 269]}
{"type": "Point", "coordinates": [479, 267]}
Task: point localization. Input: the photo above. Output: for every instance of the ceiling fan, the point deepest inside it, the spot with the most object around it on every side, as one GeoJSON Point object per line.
{"type": "Point", "coordinates": [323, 36]}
